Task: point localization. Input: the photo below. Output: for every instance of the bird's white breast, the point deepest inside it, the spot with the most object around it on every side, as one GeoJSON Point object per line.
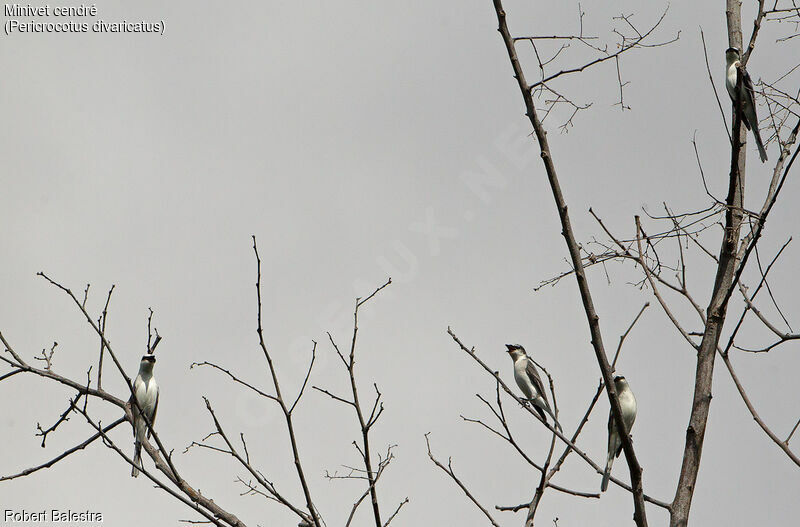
{"type": "Point", "coordinates": [146, 394]}
{"type": "Point", "coordinates": [730, 80]}
{"type": "Point", "coordinates": [627, 403]}
{"type": "Point", "coordinates": [521, 376]}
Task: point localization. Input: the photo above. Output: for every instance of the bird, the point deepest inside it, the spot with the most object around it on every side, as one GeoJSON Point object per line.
{"type": "Point", "coordinates": [145, 389]}
{"type": "Point", "coordinates": [627, 403]}
{"type": "Point", "coordinates": [529, 381]}
{"type": "Point", "coordinates": [749, 117]}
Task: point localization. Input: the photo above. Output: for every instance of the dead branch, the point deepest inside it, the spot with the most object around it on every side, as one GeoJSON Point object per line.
{"type": "Point", "coordinates": [640, 514]}
{"type": "Point", "coordinates": [449, 471]}
{"type": "Point", "coordinates": [102, 325]}
{"type": "Point", "coordinates": [314, 515]}
{"type": "Point", "coordinates": [365, 422]}
{"type": "Point", "coordinates": [570, 444]}
{"type": "Point", "coordinates": [64, 454]}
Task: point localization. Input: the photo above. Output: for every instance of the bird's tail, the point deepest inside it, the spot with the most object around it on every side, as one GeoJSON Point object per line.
{"type": "Point", "coordinates": [541, 406]}
{"type": "Point", "coordinates": [550, 412]}
{"type": "Point", "coordinates": [137, 459]}
{"type": "Point", "coordinates": [138, 435]}
{"type": "Point", "coordinates": [538, 409]}
{"type": "Point", "coordinates": [607, 473]}
{"type": "Point", "coordinates": [762, 153]}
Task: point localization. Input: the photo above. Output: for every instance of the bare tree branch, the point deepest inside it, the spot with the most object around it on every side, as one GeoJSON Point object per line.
{"type": "Point", "coordinates": [640, 515]}
{"type": "Point", "coordinates": [449, 471]}
{"type": "Point", "coordinates": [471, 352]}
{"type": "Point", "coordinates": [64, 454]}
{"type": "Point", "coordinates": [364, 423]}
{"type": "Point", "coordinates": [102, 324]}
{"type": "Point", "coordinates": [717, 307]}
{"type": "Point", "coordinates": [314, 516]}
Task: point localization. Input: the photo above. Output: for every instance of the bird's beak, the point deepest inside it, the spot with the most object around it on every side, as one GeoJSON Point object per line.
{"type": "Point", "coordinates": [509, 347]}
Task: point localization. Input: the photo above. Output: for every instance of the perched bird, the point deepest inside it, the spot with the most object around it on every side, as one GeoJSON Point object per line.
{"type": "Point", "coordinates": [749, 117]}
{"type": "Point", "coordinates": [146, 391]}
{"type": "Point", "coordinates": [627, 403]}
{"type": "Point", "coordinates": [529, 382]}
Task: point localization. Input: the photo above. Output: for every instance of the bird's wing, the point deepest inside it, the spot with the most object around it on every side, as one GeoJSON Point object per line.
{"type": "Point", "coordinates": [533, 375]}
{"type": "Point", "coordinates": [155, 409]}
{"type": "Point", "coordinates": [750, 94]}
{"type": "Point", "coordinates": [750, 113]}
{"type": "Point", "coordinates": [612, 432]}
{"type": "Point", "coordinates": [747, 82]}
{"type": "Point", "coordinates": [747, 97]}
{"type": "Point", "coordinates": [136, 384]}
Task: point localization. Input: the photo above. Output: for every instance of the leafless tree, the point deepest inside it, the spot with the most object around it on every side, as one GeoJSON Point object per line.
{"type": "Point", "coordinates": [660, 246]}
{"type": "Point", "coordinates": [166, 475]}
{"type": "Point", "coordinates": [692, 233]}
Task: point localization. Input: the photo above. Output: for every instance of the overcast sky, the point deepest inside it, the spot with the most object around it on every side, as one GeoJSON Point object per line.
{"type": "Point", "coordinates": [347, 137]}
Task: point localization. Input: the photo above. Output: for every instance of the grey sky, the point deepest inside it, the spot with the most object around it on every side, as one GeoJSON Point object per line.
{"type": "Point", "coordinates": [342, 134]}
